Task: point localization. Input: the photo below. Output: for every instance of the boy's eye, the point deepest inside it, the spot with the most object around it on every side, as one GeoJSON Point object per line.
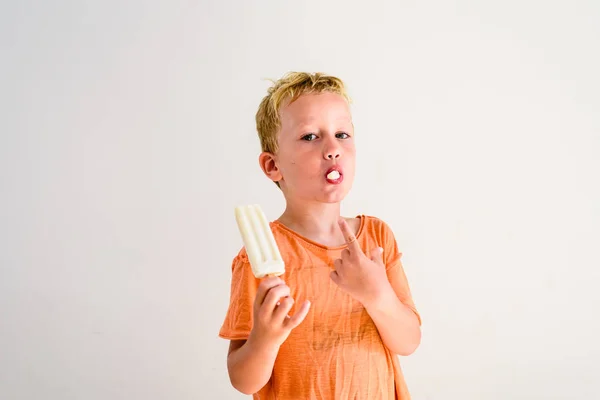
{"type": "Point", "coordinates": [309, 137]}
{"type": "Point", "coordinates": [342, 135]}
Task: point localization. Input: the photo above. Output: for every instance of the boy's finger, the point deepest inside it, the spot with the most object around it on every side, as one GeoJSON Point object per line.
{"type": "Point", "coordinates": [346, 254]}
{"type": "Point", "coordinates": [337, 264]}
{"type": "Point", "coordinates": [274, 296]}
{"type": "Point", "coordinates": [377, 255]}
{"type": "Point", "coordinates": [265, 286]}
{"type": "Point", "coordinates": [283, 309]}
{"type": "Point", "coordinates": [349, 236]}
{"type": "Point", "coordinates": [334, 277]}
{"type": "Point", "coordinates": [299, 316]}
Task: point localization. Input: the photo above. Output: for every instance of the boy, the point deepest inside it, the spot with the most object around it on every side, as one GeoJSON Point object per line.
{"type": "Point", "coordinates": [332, 326]}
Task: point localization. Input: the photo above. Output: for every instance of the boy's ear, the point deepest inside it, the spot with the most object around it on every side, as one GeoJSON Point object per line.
{"type": "Point", "coordinates": [269, 166]}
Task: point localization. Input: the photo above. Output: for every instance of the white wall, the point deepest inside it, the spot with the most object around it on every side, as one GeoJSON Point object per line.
{"type": "Point", "coordinates": [479, 143]}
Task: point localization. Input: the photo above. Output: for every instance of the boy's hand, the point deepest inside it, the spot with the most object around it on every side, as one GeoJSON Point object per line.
{"type": "Point", "coordinates": [360, 276]}
{"type": "Point", "coordinates": [272, 324]}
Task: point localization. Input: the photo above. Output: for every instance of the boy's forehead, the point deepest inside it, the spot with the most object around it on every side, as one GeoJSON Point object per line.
{"type": "Point", "coordinates": [308, 109]}
{"type": "Point", "coordinates": [304, 120]}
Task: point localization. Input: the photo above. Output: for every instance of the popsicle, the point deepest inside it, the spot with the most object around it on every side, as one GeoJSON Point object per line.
{"type": "Point", "coordinates": [261, 247]}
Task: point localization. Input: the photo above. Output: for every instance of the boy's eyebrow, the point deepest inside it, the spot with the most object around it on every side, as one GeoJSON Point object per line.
{"type": "Point", "coordinates": [309, 122]}
{"type": "Point", "coordinates": [313, 129]}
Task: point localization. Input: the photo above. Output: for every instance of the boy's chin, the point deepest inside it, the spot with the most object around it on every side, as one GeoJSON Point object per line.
{"type": "Point", "coordinates": [329, 198]}
{"type": "Point", "coordinates": [329, 195]}
{"type": "Point", "coordinates": [333, 197]}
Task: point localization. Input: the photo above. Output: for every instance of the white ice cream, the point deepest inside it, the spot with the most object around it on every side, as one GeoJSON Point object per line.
{"type": "Point", "coordinates": [261, 247]}
{"type": "Point", "coordinates": [333, 175]}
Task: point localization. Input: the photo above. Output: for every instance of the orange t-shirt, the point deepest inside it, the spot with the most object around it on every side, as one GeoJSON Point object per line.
{"type": "Point", "coordinates": [336, 352]}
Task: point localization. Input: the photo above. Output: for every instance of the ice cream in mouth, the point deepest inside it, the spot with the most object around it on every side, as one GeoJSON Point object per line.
{"type": "Point", "coordinates": [334, 175]}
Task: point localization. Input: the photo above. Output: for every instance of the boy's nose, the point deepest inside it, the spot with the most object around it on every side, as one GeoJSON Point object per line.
{"type": "Point", "coordinates": [332, 151]}
{"type": "Point", "coordinates": [332, 155]}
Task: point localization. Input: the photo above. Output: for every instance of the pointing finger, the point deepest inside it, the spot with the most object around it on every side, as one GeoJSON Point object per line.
{"type": "Point", "coordinates": [349, 236]}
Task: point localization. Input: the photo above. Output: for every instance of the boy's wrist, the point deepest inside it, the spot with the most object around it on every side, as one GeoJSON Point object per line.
{"type": "Point", "coordinates": [260, 345]}
{"type": "Point", "coordinates": [381, 298]}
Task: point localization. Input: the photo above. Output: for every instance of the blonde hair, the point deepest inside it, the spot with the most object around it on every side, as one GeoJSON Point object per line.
{"type": "Point", "coordinates": [290, 87]}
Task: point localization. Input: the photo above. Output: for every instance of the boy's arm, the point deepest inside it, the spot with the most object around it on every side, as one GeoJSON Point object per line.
{"type": "Point", "coordinates": [397, 324]}
{"type": "Point", "coordinates": [365, 279]}
{"type": "Point", "coordinates": [250, 366]}
{"type": "Point", "coordinates": [250, 363]}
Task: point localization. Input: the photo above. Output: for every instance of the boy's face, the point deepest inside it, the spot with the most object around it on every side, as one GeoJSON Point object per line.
{"type": "Point", "coordinates": [316, 153]}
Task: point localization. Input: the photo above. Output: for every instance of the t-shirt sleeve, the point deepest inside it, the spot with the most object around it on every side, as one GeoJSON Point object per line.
{"type": "Point", "coordinates": [395, 271]}
{"type": "Point", "coordinates": [239, 317]}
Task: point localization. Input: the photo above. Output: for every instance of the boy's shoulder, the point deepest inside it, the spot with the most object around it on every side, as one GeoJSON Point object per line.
{"type": "Point", "coordinates": [376, 224]}
{"type": "Point", "coordinates": [372, 219]}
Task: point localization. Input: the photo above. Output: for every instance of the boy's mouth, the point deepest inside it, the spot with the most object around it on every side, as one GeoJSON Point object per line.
{"type": "Point", "coordinates": [334, 175]}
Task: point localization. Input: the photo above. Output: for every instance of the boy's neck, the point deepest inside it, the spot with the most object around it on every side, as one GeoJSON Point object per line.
{"type": "Point", "coordinates": [315, 221]}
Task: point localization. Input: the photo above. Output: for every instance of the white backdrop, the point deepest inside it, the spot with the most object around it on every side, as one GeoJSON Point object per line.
{"type": "Point", "coordinates": [127, 138]}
